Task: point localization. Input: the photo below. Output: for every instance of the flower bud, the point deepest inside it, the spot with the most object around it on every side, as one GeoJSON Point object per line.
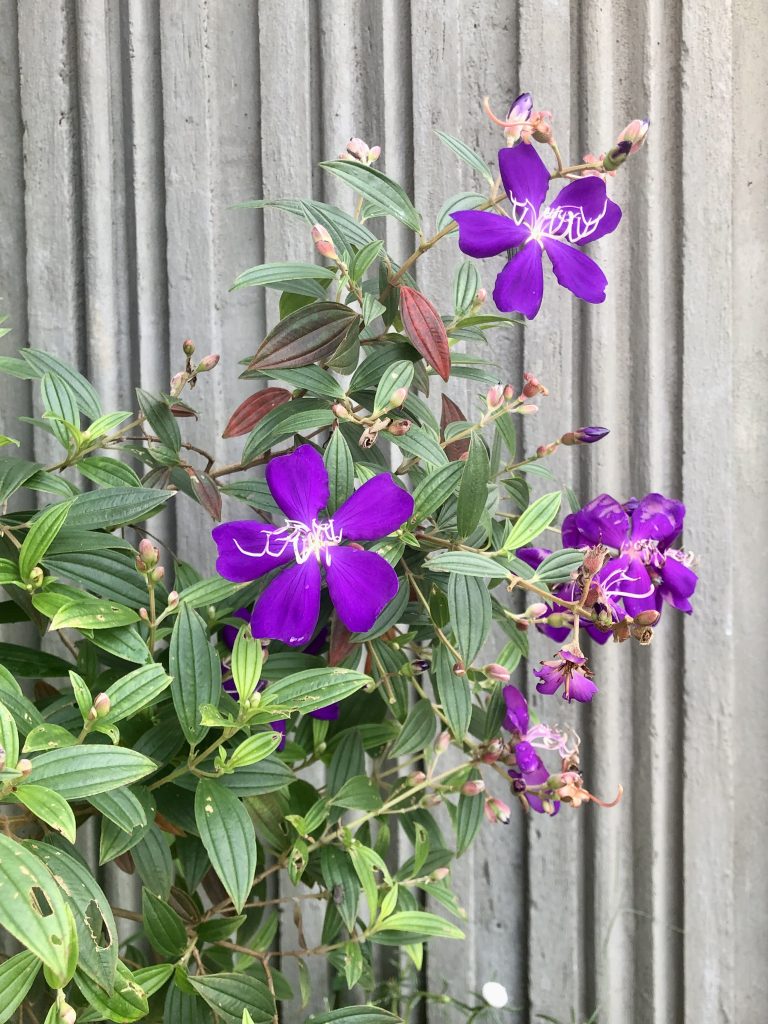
{"type": "Point", "coordinates": [509, 393]}
{"type": "Point", "coordinates": [584, 435]}
{"type": "Point", "coordinates": [157, 574]}
{"type": "Point", "coordinates": [188, 346]}
{"type": "Point", "coordinates": [24, 765]}
{"type": "Point", "coordinates": [594, 559]}
{"type": "Point", "coordinates": [533, 386]}
{"type": "Point", "coordinates": [66, 1013]}
{"type": "Point", "coordinates": [459, 669]}
{"type": "Point", "coordinates": [439, 874]}
{"type": "Point", "coordinates": [647, 618]}
{"type": "Point", "coordinates": [496, 671]}
{"type": "Point", "coordinates": [493, 751]}
{"type": "Point", "coordinates": [443, 741]}
{"type": "Point", "coordinates": [415, 778]}
{"type": "Point", "coordinates": [496, 810]}
{"type": "Point", "coordinates": [546, 449]}
{"type": "Point", "coordinates": [518, 113]}
{"type": "Point", "coordinates": [495, 397]}
{"type": "Point", "coordinates": [635, 134]}
{"type": "Point", "coordinates": [173, 599]}
{"type": "Point", "coordinates": [399, 427]}
{"type": "Point", "coordinates": [178, 380]}
{"type": "Point", "coordinates": [481, 296]}
{"type": "Point", "coordinates": [527, 410]}
{"type": "Point", "coordinates": [432, 800]}
{"type": "Point", "coordinates": [143, 614]}
{"type": "Point", "coordinates": [373, 154]}
{"type": "Point", "coordinates": [473, 787]}
{"type": "Point", "coordinates": [36, 577]}
{"type": "Point", "coordinates": [208, 363]}
{"type": "Point", "coordinates": [398, 397]}
{"type": "Point", "coordinates": [536, 610]}
{"type": "Point", "coordinates": [616, 157]}
{"type": "Point", "coordinates": [148, 552]}
{"type": "Point", "coordinates": [340, 411]}
{"type": "Point", "coordinates": [358, 149]}
{"type": "Point", "coordinates": [101, 705]}
{"type": "Point", "coordinates": [323, 242]}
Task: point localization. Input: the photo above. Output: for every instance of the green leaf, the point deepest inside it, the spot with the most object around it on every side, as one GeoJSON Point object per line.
{"type": "Point", "coordinates": [247, 659]}
{"type": "Point", "coordinates": [417, 731]}
{"type": "Point", "coordinates": [49, 807]}
{"type": "Point", "coordinates": [47, 737]}
{"type": "Point", "coordinates": [256, 748]}
{"type": "Point", "coordinates": [463, 152]}
{"type": "Point", "coordinates": [124, 642]}
{"type": "Point", "coordinates": [152, 979]}
{"type": "Point", "coordinates": [309, 335]}
{"type": "Point", "coordinates": [536, 518]}
{"type": "Point", "coordinates": [298, 416]}
{"type": "Point", "coordinates": [96, 928]}
{"type": "Point", "coordinates": [341, 470]}
{"type": "Point", "coordinates": [469, 603]}
{"type": "Point", "coordinates": [267, 776]}
{"type": "Point", "coordinates": [126, 808]}
{"type": "Point", "coordinates": [467, 563]}
{"type": "Point", "coordinates": [398, 375]}
{"type": "Point", "coordinates": [341, 879]}
{"type": "Point", "coordinates": [127, 1003]}
{"type": "Point", "coordinates": [160, 418]}
{"type": "Point", "coordinates": [473, 490]}
{"type": "Point", "coordinates": [9, 571]}
{"type": "Point", "coordinates": [90, 613]}
{"type": "Point", "coordinates": [344, 230]}
{"type": "Point", "coordinates": [359, 792]}
{"type": "Point", "coordinates": [313, 378]}
{"type": "Point", "coordinates": [466, 284]}
{"type": "Point", "coordinates": [43, 362]}
{"type": "Point", "coordinates": [469, 817]}
{"type": "Point", "coordinates": [16, 977]}
{"type": "Point", "coordinates": [13, 474]}
{"type": "Point", "coordinates": [60, 401]}
{"type": "Point", "coordinates": [286, 276]}
{"type": "Point", "coordinates": [9, 735]}
{"type": "Point", "coordinates": [230, 994]}
{"type": "Point", "coordinates": [460, 201]}
{"type": "Point", "coordinates": [107, 573]}
{"type": "Point", "coordinates": [130, 694]}
{"type": "Point", "coordinates": [435, 489]}
{"type": "Point", "coordinates": [183, 1007]}
{"type": "Point", "coordinates": [153, 861]}
{"type": "Point", "coordinates": [41, 535]}
{"type": "Point", "coordinates": [312, 690]}
{"type": "Point", "coordinates": [196, 671]}
{"type": "Point", "coordinates": [26, 886]}
{"type": "Point", "coordinates": [453, 692]}
{"type": "Point", "coordinates": [209, 592]}
{"type": "Point", "coordinates": [377, 188]}
{"type": "Point", "coordinates": [227, 833]}
{"type": "Point", "coordinates": [30, 664]}
{"type": "Point", "coordinates": [557, 567]}
{"type": "Point", "coordinates": [391, 615]}
{"type": "Point", "coordinates": [421, 443]}
{"type": "Point", "coordinates": [83, 771]}
{"type": "Point", "coordinates": [356, 1015]}
{"type": "Point", "coordinates": [164, 928]}
{"type": "Point", "coordinates": [408, 926]}
{"type": "Point", "coordinates": [115, 506]}
{"type": "Point", "coordinates": [108, 472]}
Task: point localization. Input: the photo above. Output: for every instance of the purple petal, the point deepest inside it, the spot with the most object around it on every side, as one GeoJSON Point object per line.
{"type": "Point", "coordinates": [281, 727]}
{"type": "Point", "coordinates": [581, 688]}
{"type": "Point", "coordinates": [609, 223]}
{"type": "Point", "coordinates": [530, 764]}
{"type": "Point", "coordinates": [326, 714]}
{"type": "Point", "coordinates": [361, 584]}
{"type": "Point", "coordinates": [525, 177]}
{"type": "Point", "coordinates": [316, 644]}
{"type": "Point", "coordinates": [243, 550]}
{"type": "Point", "coordinates": [551, 679]}
{"type": "Point", "coordinates": [657, 518]}
{"type": "Point", "coordinates": [639, 584]}
{"type": "Point", "coordinates": [601, 521]}
{"type": "Point", "coordinates": [678, 584]}
{"type": "Point", "coordinates": [516, 718]}
{"type": "Point", "coordinates": [299, 483]}
{"type": "Point", "coordinates": [533, 556]}
{"type": "Point", "coordinates": [374, 510]}
{"type": "Point", "coordinates": [520, 286]}
{"type": "Point", "coordinates": [288, 608]}
{"type": "Point", "coordinates": [483, 234]}
{"type": "Point", "coordinates": [600, 636]}
{"type": "Point", "coordinates": [229, 633]}
{"type": "Point", "coordinates": [576, 271]}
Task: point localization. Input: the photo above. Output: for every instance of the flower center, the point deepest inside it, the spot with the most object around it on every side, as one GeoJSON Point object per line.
{"type": "Point", "coordinates": [307, 540]}
{"type": "Point", "coordinates": [565, 223]}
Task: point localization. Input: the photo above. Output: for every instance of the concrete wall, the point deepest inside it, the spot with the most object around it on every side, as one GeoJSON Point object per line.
{"type": "Point", "coordinates": [128, 130]}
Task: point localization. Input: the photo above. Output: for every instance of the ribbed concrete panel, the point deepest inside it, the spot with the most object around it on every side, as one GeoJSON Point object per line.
{"type": "Point", "coordinates": [128, 131]}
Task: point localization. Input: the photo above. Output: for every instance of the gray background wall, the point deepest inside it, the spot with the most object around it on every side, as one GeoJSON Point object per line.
{"type": "Point", "coordinates": [128, 129]}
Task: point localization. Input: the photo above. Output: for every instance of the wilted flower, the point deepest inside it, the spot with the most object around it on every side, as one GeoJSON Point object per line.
{"type": "Point", "coordinates": [532, 774]}
{"type": "Point", "coordinates": [360, 583]}
{"type": "Point", "coordinates": [579, 214]}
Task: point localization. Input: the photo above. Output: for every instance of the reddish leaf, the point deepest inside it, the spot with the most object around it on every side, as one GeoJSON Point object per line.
{"type": "Point", "coordinates": [340, 645]}
{"type": "Point", "coordinates": [425, 330]}
{"type": "Point", "coordinates": [206, 492]}
{"type": "Point", "coordinates": [182, 410]}
{"type": "Point", "coordinates": [306, 336]}
{"type": "Point", "coordinates": [248, 413]}
{"type": "Point", "coordinates": [451, 413]}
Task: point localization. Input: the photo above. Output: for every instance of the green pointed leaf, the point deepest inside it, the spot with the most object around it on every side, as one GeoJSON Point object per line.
{"type": "Point", "coordinates": [160, 418]}
{"type": "Point", "coordinates": [356, 1015]}
{"type": "Point", "coordinates": [473, 490]}
{"type": "Point", "coordinates": [299, 416]}
{"type": "Point", "coordinates": [48, 807]}
{"type": "Point", "coordinates": [386, 194]}
{"type": "Point", "coordinates": [359, 793]}
{"type": "Point", "coordinates": [467, 563]}
{"type": "Point", "coordinates": [453, 692]}
{"type": "Point", "coordinates": [463, 152]}
{"type": "Point", "coordinates": [557, 567]}
{"type": "Point", "coordinates": [41, 535]}
{"type": "Point", "coordinates": [435, 489]}
{"type": "Point", "coordinates": [341, 879]}
{"type": "Point", "coordinates": [17, 974]}
{"type": "Point", "coordinates": [83, 771]}
{"type": "Point", "coordinates": [417, 732]}
{"type": "Point", "coordinates": [164, 928]}
{"type": "Point", "coordinates": [247, 659]}
{"type": "Point", "coordinates": [469, 817]}
{"type": "Point", "coordinates": [398, 375]}
{"type": "Point", "coordinates": [227, 833]}
{"type": "Point", "coordinates": [108, 472]}
{"type": "Point", "coordinates": [115, 506]}
{"type": "Point", "coordinates": [408, 926]}
{"type": "Point", "coordinates": [288, 277]}
{"type": "Point", "coordinates": [256, 748]}
{"type": "Point", "coordinates": [127, 1003]}
{"type": "Point", "coordinates": [469, 604]}
{"type": "Point", "coordinates": [196, 671]}
{"type": "Point", "coordinates": [139, 689]}
{"type": "Point", "coordinates": [90, 613]}
{"type": "Point", "coordinates": [9, 735]}
{"type": "Point", "coordinates": [41, 363]}
{"type": "Point", "coordinates": [536, 518]}
{"type": "Point", "coordinates": [341, 470]}
{"type": "Point", "coordinates": [312, 690]}
{"type": "Point", "coordinates": [460, 201]}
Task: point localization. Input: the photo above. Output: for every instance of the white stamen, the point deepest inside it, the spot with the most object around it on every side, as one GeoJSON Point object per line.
{"type": "Point", "coordinates": [563, 223]}
{"type": "Point", "coordinates": [315, 538]}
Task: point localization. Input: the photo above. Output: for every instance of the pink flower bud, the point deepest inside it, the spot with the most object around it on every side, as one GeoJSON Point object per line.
{"type": "Point", "coordinates": [24, 765]}
{"type": "Point", "coordinates": [398, 397]}
{"type": "Point", "coordinates": [399, 427]}
{"type": "Point", "coordinates": [527, 410]}
{"type": "Point", "coordinates": [443, 741]}
{"type": "Point", "coordinates": [481, 296]}
{"type": "Point", "coordinates": [189, 347]}
{"type": "Point", "coordinates": [340, 411]}
{"type": "Point", "coordinates": [415, 778]}
{"type": "Point", "coordinates": [509, 393]}
{"type": "Point", "coordinates": [149, 553]}
{"type": "Point", "coordinates": [496, 671]}
{"type": "Point", "coordinates": [439, 874]}
{"type": "Point", "coordinates": [208, 363]}
{"type": "Point", "coordinates": [495, 397]}
{"type": "Point", "coordinates": [173, 599]}
{"type": "Point", "coordinates": [647, 618]}
{"type": "Point", "coordinates": [496, 810]}
{"type": "Point", "coordinates": [143, 614]}
{"type": "Point", "coordinates": [536, 610]}
{"type": "Point", "coordinates": [358, 149]}
{"type": "Point", "coordinates": [101, 705]}
{"type": "Point", "coordinates": [635, 134]}
{"type": "Point", "coordinates": [67, 1014]}
{"type": "Point", "coordinates": [373, 154]}
{"type": "Point", "coordinates": [473, 787]}
{"type": "Point", "coordinates": [323, 242]}
{"type": "Point", "coordinates": [493, 751]}
{"type": "Point", "coordinates": [157, 574]}
{"type": "Point", "coordinates": [459, 669]}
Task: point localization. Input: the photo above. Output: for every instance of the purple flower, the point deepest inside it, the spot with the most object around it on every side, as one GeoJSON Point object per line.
{"type": "Point", "coordinates": [360, 583]}
{"type": "Point", "coordinates": [532, 773]}
{"type": "Point", "coordinates": [580, 213]}
{"type": "Point", "coordinates": [648, 571]}
{"type": "Point", "coordinates": [566, 670]}
{"type": "Point", "coordinates": [547, 737]}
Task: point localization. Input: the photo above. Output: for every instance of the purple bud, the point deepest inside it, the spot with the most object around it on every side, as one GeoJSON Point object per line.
{"type": "Point", "coordinates": [615, 157]}
{"type": "Point", "coordinates": [521, 108]}
{"type": "Point", "coordinates": [585, 435]}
